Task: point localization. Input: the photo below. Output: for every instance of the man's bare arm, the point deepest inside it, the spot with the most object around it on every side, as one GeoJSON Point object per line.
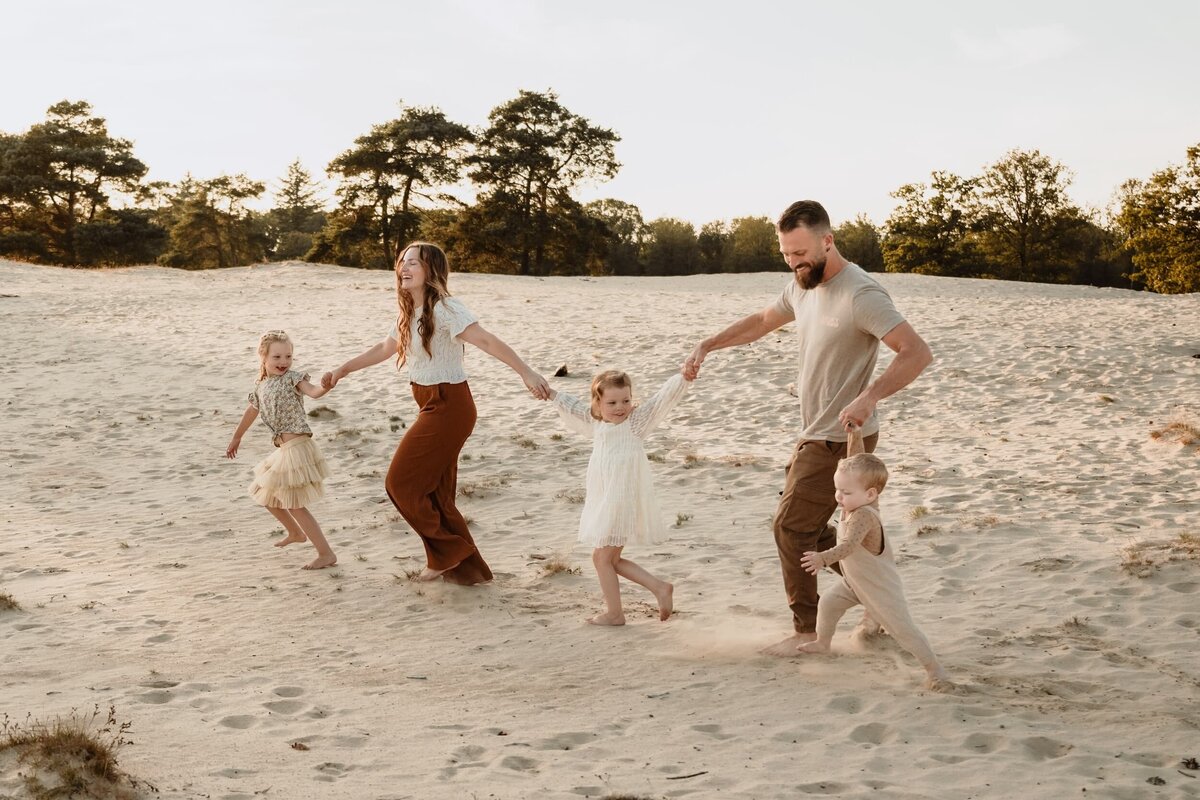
{"type": "Point", "coordinates": [745, 330]}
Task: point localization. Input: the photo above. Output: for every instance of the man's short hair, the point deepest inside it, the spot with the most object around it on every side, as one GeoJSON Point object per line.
{"type": "Point", "coordinates": [808, 213]}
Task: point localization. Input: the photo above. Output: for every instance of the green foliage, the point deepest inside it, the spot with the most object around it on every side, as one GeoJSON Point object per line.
{"type": "Point", "coordinates": [713, 241]}
{"type": "Point", "coordinates": [626, 235]}
{"type": "Point", "coordinates": [59, 176]}
{"type": "Point", "coordinates": [1160, 221]}
{"type": "Point", "coordinates": [389, 171]}
{"type": "Point", "coordinates": [121, 237]}
{"type": "Point", "coordinates": [671, 248]}
{"type": "Point", "coordinates": [753, 246]}
{"type": "Point", "coordinates": [350, 238]}
{"type": "Point", "coordinates": [929, 232]}
{"type": "Point", "coordinates": [297, 217]}
{"type": "Point", "coordinates": [860, 241]}
{"type": "Point", "coordinates": [533, 153]}
{"type": "Point", "coordinates": [1024, 218]}
{"type": "Point", "coordinates": [210, 226]}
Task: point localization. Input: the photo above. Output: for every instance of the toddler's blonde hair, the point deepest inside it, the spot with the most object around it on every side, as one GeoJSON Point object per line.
{"type": "Point", "coordinates": [264, 345]}
{"type": "Point", "coordinates": [868, 467]}
{"type": "Point", "coordinates": [609, 379]}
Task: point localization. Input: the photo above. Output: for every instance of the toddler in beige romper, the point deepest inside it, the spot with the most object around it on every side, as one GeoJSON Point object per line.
{"type": "Point", "coordinates": [869, 574]}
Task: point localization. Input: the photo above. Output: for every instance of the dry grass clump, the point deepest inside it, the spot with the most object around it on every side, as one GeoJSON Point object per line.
{"type": "Point", "coordinates": [322, 412]}
{"type": "Point", "coordinates": [557, 564]}
{"type": "Point", "coordinates": [1142, 559]}
{"type": "Point", "coordinates": [574, 496]}
{"type": "Point", "coordinates": [8, 603]}
{"type": "Point", "coordinates": [483, 487]}
{"type": "Point", "coordinates": [1185, 432]}
{"type": "Point", "coordinates": [526, 442]}
{"type": "Point", "coordinates": [72, 756]}
{"type": "Point", "coordinates": [927, 530]}
{"type": "Point", "coordinates": [916, 512]}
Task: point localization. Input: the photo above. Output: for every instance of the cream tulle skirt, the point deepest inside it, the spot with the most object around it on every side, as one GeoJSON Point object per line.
{"type": "Point", "coordinates": [291, 477]}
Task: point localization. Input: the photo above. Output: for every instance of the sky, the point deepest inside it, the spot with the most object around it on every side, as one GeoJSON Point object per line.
{"type": "Point", "coordinates": [724, 109]}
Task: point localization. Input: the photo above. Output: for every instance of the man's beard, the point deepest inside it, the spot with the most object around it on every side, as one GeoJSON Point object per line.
{"type": "Point", "coordinates": [812, 279]}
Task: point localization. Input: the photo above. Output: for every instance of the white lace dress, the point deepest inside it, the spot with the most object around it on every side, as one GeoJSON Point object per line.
{"type": "Point", "coordinates": [620, 508]}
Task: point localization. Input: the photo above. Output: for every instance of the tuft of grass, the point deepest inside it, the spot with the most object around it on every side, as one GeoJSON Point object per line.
{"type": "Point", "coordinates": [88, 606]}
{"type": "Point", "coordinates": [657, 458]}
{"type": "Point", "coordinates": [1075, 624]}
{"type": "Point", "coordinates": [360, 557]}
{"type": "Point", "coordinates": [483, 488]}
{"type": "Point", "coordinates": [926, 530]}
{"type": "Point", "coordinates": [574, 496]}
{"type": "Point", "coordinates": [1142, 558]}
{"type": "Point", "coordinates": [1183, 431]}
{"type": "Point", "coordinates": [76, 754]}
{"type": "Point", "coordinates": [916, 512]}
{"type": "Point", "coordinates": [557, 564]}
{"type": "Point", "coordinates": [322, 412]}
{"type": "Point", "coordinates": [526, 442]}
{"type": "Point", "coordinates": [123, 545]}
{"type": "Point", "coordinates": [691, 461]}
{"type": "Point", "coordinates": [8, 603]}
{"type": "Point", "coordinates": [681, 518]}
{"type": "Point", "coordinates": [556, 437]}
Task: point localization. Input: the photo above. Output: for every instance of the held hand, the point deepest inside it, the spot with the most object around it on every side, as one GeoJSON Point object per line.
{"type": "Point", "coordinates": [691, 366]}
{"type": "Point", "coordinates": [857, 413]}
{"type": "Point", "coordinates": [231, 451]}
{"type": "Point", "coordinates": [537, 385]}
{"type": "Point", "coordinates": [811, 562]}
{"type": "Point", "coordinates": [329, 380]}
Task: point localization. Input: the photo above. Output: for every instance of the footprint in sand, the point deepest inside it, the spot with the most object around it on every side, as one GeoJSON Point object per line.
{"type": "Point", "coordinates": [519, 763]}
{"type": "Point", "coordinates": [848, 704]}
{"type": "Point", "coordinates": [288, 691]}
{"type": "Point", "coordinates": [284, 706]}
{"type": "Point", "coordinates": [155, 698]}
{"type": "Point", "coordinates": [872, 733]}
{"type": "Point", "coordinates": [239, 722]}
{"type": "Point", "coordinates": [984, 742]}
{"type": "Point", "coordinates": [565, 741]}
{"type": "Point", "coordinates": [1043, 749]}
{"type": "Point", "coordinates": [159, 638]}
{"type": "Point", "coordinates": [823, 788]}
{"type": "Point", "coordinates": [712, 730]}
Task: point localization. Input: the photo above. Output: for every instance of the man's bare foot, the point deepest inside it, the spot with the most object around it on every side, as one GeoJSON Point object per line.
{"type": "Point", "coordinates": [787, 647]}
{"type": "Point", "coordinates": [607, 618]}
{"type": "Point", "coordinates": [665, 601]}
{"type": "Point", "coordinates": [813, 647]}
{"type": "Point", "coordinates": [321, 562]}
{"type": "Point", "coordinates": [291, 538]}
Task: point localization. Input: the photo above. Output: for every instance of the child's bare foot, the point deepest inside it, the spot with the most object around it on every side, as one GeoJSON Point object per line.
{"type": "Point", "coordinates": [665, 601]}
{"type": "Point", "coordinates": [938, 680]}
{"type": "Point", "coordinates": [291, 538]}
{"type": "Point", "coordinates": [607, 618]}
{"type": "Point", "coordinates": [787, 647]}
{"type": "Point", "coordinates": [815, 646]}
{"type": "Point", "coordinates": [321, 562]}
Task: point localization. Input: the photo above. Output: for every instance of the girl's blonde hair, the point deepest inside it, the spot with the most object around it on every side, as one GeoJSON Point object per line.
{"type": "Point", "coordinates": [264, 345]}
{"type": "Point", "coordinates": [437, 274]}
{"type": "Point", "coordinates": [609, 379]}
{"type": "Point", "coordinates": [868, 467]}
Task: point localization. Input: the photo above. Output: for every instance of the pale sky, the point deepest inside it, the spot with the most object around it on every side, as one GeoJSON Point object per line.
{"type": "Point", "coordinates": [725, 109]}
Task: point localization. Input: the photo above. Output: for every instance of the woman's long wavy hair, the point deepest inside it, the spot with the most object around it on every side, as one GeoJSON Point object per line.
{"type": "Point", "coordinates": [437, 273]}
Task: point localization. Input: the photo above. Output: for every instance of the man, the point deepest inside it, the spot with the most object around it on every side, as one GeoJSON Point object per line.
{"type": "Point", "coordinates": [841, 315]}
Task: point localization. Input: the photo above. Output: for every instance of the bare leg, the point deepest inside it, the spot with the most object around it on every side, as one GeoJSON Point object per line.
{"type": "Point", "coordinates": [325, 556]}
{"type": "Point", "coordinates": [662, 590]}
{"type": "Point", "coordinates": [937, 679]}
{"type": "Point", "coordinates": [295, 533]}
{"type": "Point", "coordinates": [605, 560]}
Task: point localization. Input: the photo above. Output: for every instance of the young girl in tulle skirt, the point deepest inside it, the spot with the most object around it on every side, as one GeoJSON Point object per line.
{"type": "Point", "coordinates": [620, 508]}
{"type": "Point", "coordinates": [292, 477]}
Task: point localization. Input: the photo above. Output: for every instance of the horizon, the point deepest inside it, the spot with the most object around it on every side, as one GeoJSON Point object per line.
{"type": "Point", "coordinates": [249, 89]}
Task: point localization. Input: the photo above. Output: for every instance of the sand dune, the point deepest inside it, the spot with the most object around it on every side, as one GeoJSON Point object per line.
{"type": "Point", "coordinates": [1023, 465]}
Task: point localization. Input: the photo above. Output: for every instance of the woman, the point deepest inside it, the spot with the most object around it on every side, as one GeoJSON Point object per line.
{"type": "Point", "coordinates": [428, 337]}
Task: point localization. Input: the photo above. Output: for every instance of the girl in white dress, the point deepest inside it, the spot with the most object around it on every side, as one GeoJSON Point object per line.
{"type": "Point", "coordinates": [620, 508]}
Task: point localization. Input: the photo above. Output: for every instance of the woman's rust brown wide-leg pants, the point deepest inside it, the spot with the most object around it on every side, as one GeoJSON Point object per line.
{"type": "Point", "coordinates": [423, 480]}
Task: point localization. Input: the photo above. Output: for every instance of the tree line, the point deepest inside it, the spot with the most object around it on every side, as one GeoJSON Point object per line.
{"type": "Point", "coordinates": [72, 194]}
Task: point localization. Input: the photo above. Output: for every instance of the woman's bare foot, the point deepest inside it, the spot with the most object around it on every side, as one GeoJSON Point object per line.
{"type": "Point", "coordinates": [321, 562]}
{"type": "Point", "coordinates": [787, 647]}
{"type": "Point", "coordinates": [815, 646]}
{"type": "Point", "coordinates": [607, 618]}
{"type": "Point", "coordinates": [291, 538]}
{"type": "Point", "coordinates": [428, 574]}
{"type": "Point", "coordinates": [665, 601]}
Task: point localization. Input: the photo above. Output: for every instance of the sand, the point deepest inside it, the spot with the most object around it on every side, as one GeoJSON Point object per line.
{"type": "Point", "coordinates": [1023, 467]}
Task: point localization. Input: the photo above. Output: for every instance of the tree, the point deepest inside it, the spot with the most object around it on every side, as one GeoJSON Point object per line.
{"type": "Point", "coordinates": [397, 164]}
{"type": "Point", "coordinates": [1160, 222]}
{"type": "Point", "coordinates": [753, 246]}
{"type": "Point", "coordinates": [297, 215]}
{"type": "Point", "coordinates": [1025, 217]}
{"type": "Point", "coordinates": [713, 242]}
{"type": "Point", "coordinates": [929, 232]}
{"type": "Point", "coordinates": [626, 235]}
{"type": "Point", "coordinates": [671, 248]}
{"type": "Point", "coordinates": [860, 241]}
{"type": "Point", "coordinates": [60, 175]}
{"type": "Point", "coordinates": [210, 225]}
{"type": "Point", "coordinates": [533, 153]}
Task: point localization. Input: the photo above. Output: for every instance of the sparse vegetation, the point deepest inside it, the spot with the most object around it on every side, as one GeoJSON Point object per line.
{"type": "Point", "coordinates": [1141, 559]}
{"type": "Point", "coordinates": [927, 530]}
{"type": "Point", "coordinates": [1075, 624]}
{"type": "Point", "coordinates": [556, 564]}
{"type": "Point", "coordinates": [72, 756]}
{"type": "Point", "coordinates": [657, 458]}
{"type": "Point", "coordinates": [681, 518]}
{"type": "Point", "coordinates": [691, 461]}
{"type": "Point", "coordinates": [916, 512]}
{"type": "Point", "coordinates": [556, 437]}
{"type": "Point", "coordinates": [575, 496]}
{"type": "Point", "coordinates": [322, 412]}
{"type": "Point", "coordinates": [527, 443]}
{"type": "Point", "coordinates": [481, 487]}
{"type": "Point", "coordinates": [1185, 432]}
{"type": "Point", "coordinates": [7, 603]}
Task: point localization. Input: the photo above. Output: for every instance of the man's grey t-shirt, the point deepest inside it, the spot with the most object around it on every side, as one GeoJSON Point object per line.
{"type": "Point", "coordinates": [838, 327]}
